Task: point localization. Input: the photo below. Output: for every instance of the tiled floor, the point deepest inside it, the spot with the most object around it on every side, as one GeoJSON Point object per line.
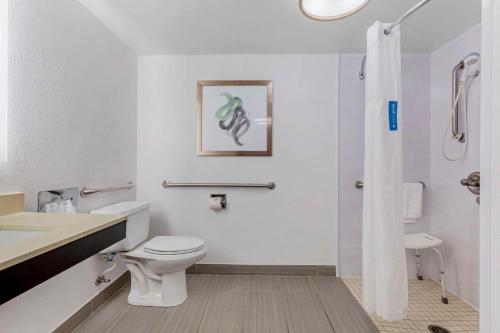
{"type": "Point", "coordinates": [425, 308]}
{"type": "Point", "coordinates": [241, 304]}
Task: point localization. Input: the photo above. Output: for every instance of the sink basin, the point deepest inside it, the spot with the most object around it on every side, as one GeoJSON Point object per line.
{"type": "Point", "coordinates": [8, 236]}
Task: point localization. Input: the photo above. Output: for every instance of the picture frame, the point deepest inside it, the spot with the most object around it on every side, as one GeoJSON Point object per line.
{"type": "Point", "coordinates": [234, 117]}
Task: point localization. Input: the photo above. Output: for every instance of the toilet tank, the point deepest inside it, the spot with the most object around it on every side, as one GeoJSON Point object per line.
{"type": "Point", "coordinates": [137, 223]}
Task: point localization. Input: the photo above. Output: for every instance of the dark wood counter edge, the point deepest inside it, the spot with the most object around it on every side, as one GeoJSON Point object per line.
{"type": "Point", "coordinates": [17, 279]}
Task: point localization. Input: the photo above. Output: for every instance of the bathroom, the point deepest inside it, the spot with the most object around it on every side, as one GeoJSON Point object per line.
{"type": "Point", "coordinates": [101, 112]}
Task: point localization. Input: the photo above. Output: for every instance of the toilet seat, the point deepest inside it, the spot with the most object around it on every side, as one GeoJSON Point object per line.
{"type": "Point", "coordinates": [173, 245]}
{"type": "Point", "coordinates": [140, 253]}
{"type": "Point", "coordinates": [174, 249]}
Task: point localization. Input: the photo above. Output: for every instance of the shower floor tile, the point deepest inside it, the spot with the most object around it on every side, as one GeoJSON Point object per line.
{"type": "Point", "coordinates": [425, 308]}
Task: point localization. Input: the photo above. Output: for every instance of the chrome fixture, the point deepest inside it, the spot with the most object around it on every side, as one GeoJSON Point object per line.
{"type": "Point", "coordinates": [437, 329]}
{"type": "Point", "coordinates": [359, 185]}
{"type": "Point", "coordinates": [87, 191]}
{"type": "Point", "coordinates": [327, 10]}
{"type": "Point", "coordinates": [473, 183]}
{"type": "Point", "coordinates": [460, 137]}
{"type": "Point", "coordinates": [270, 185]}
{"type": "Point", "coordinates": [463, 75]}
{"type": "Point", "coordinates": [101, 279]}
{"type": "Point", "coordinates": [57, 195]}
{"type": "Point", "coordinates": [468, 60]}
{"type": "Point", "coordinates": [362, 70]}
{"type": "Point", "coordinates": [108, 257]}
{"type": "Point", "coordinates": [405, 16]}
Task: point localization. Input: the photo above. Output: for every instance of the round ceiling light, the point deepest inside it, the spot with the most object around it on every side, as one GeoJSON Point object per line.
{"type": "Point", "coordinates": [327, 10]}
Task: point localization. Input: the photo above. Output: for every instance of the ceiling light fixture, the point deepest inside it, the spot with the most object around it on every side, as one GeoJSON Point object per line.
{"type": "Point", "coordinates": [328, 10]}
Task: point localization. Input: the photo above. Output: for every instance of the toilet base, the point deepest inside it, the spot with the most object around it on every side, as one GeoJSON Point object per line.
{"type": "Point", "coordinates": [159, 280]}
{"type": "Point", "coordinates": [166, 290]}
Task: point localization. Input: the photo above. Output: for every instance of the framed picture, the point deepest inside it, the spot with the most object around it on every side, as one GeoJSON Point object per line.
{"type": "Point", "coordinates": [234, 118]}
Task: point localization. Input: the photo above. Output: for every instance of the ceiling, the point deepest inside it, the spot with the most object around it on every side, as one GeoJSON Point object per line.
{"type": "Point", "coordinates": [273, 26]}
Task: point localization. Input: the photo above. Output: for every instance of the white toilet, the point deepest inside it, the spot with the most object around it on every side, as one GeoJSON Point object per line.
{"type": "Point", "coordinates": [157, 266]}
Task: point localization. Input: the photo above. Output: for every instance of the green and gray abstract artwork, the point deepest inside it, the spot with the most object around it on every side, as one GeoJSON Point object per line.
{"type": "Point", "coordinates": [233, 118]}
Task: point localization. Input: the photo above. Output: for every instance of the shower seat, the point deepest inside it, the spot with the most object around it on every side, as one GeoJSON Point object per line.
{"type": "Point", "coordinates": [422, 241]}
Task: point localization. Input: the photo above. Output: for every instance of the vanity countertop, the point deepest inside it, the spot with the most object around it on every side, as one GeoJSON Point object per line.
{"type": "Point", "coordinates": [55, 230]}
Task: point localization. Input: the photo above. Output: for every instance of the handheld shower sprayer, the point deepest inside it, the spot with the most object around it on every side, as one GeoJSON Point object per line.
{"type": "Point", "coordinates": [471, 58]}
{"type": "Point", "coordinates": [468, 70]}
{"type": "Point", "coordinates": [468, 66]}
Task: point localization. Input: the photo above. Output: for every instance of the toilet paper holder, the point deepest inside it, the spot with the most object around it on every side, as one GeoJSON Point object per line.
{"type": "Point", "coordinates": [223, 201]}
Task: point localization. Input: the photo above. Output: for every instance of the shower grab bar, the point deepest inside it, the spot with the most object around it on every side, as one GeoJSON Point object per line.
{"type": "Point", "coordinates": [359, 185]}
{"type": "Point", "coordinates": [455, 86]}
{"type": "Point", "coordinates": [270, 185]}
{"type": "Point", "coordinates": [88, 191]}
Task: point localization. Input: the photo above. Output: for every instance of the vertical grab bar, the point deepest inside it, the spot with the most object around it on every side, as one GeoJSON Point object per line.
{"type": "Point", "coordinates": [455, 115]}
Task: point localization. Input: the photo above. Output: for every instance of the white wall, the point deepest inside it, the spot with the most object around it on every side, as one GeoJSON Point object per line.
{"type": "Point", "coordinates": [455, 214]}
{"type": "Point", "coordinates": [490, 164]}
{"type": "Point", "coordinates": [416, 161]}
{"type": "Point", "coordinates": [293, 224]}
{"type": "Point", "coordinates": [72, 122]}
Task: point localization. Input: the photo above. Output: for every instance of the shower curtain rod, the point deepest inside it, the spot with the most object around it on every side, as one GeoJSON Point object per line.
{"type": "Point", "coordinates": [405, 16]}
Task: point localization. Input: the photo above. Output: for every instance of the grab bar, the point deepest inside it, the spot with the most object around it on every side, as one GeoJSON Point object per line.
{"type": "Point", "coordinates": [270, 185]}
{"type": "Point", "coordinates": [455, 86]}
{"type": "Point", "coordinates": [87, 191]}
{"type": "Point", "coordinates": [359, 185]}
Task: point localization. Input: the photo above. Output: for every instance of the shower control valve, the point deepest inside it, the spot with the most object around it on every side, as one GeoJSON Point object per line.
{"type": "Point", "coordinates": [473, 183]}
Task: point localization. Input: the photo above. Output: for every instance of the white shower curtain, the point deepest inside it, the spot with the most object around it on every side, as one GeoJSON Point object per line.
{"type": "Point", "coordinates": [385, 284]}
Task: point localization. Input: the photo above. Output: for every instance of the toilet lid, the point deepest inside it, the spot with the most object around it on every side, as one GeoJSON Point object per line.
{"type": "Point", "coordinates": [173, 245]}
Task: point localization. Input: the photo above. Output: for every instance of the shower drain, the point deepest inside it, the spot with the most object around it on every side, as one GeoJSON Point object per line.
{"type": "Point", "coordinates": [437, 329]}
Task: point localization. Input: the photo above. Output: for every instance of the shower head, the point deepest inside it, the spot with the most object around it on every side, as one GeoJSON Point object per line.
{"type": "Point", "coordinates": [471, 58]}
{"type": "Point", "coordinates": [469, 65]}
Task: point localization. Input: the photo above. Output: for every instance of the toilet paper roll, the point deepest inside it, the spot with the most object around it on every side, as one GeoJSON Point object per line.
{"type": "Point", "coordinates": [215, 203]}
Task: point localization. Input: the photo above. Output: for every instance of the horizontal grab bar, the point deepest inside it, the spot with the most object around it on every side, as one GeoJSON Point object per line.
{"type": "Point", "coordinates": [270, 185]}
{"type": "Point", "coordinates": [359, 185]}
{"type": "Point", "coordinates": [87, 191]}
